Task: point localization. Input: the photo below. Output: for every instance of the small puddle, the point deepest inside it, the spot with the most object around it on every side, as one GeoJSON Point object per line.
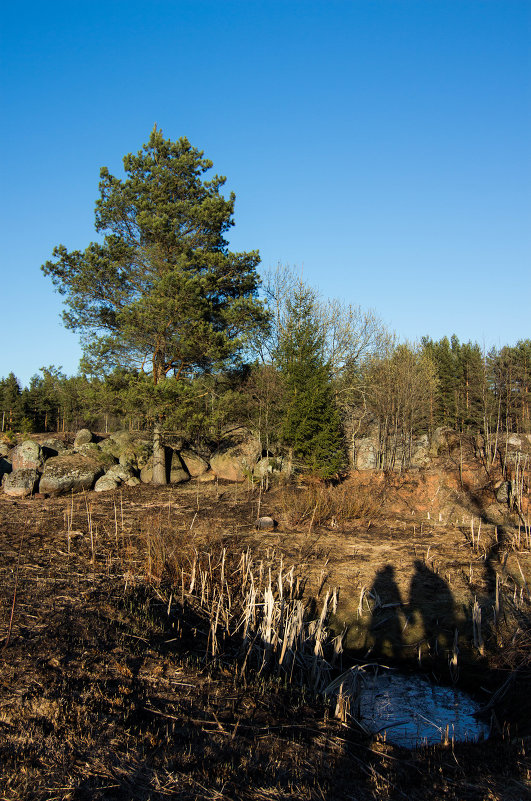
{"type": "Point", "coordinates": [414, 712]}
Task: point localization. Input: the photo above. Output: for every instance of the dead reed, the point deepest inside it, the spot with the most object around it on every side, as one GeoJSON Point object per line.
{"type": "Point", "coordinates": [320, 505]}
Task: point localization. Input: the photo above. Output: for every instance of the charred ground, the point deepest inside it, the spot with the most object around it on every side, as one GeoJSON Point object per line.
{"type": "Point", "coordinates": [108, 688]}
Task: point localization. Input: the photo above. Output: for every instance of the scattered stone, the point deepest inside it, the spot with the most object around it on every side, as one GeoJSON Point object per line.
{"type": "Point", "coordinates": [133, 482]}
{"type": "Point", "coordinates": [21, 483]}
{"type": "Point", "coordinates": [503, 492]}
{"type": "Point", "coordinates": [266, 523]}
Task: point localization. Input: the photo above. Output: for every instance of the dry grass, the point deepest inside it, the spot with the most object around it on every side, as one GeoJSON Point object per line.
{"type": "Point", "coordinates": [160, 647]}
{"type": "Point", "coordinates": [319, 505]}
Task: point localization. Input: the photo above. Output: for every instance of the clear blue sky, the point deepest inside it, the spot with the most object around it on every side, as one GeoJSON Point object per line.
{"type": "Point", "coordinates": [382, 145]}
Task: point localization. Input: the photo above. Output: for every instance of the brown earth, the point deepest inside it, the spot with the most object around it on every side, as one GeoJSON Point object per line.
{"type": "Point", "coordinates": [106, 690]}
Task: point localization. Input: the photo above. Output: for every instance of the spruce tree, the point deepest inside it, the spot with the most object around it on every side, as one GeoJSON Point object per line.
{"type": "Point", "coordinates": [311, 424]}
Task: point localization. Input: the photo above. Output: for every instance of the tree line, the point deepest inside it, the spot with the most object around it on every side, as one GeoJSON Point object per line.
{"type": "Point", "coordinates": [179, 335]}
{"type": "Point", "coordinates": [304, 394]}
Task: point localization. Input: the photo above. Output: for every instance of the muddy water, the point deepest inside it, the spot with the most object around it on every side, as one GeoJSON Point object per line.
{"type": "Point", "coordinates": [413, 712]}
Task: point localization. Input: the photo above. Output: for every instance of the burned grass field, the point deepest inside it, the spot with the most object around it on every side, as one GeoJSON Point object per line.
{"type": "Point", "coordinates": [155, 644]}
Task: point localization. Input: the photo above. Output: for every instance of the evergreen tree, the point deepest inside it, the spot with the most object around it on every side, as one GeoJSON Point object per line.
{"type": "Point", "coordinates": [311, 424]}
{"type": "Point", "coordinates": [162, 292]}
{"type": "Point", "coordinates": [11, 399]}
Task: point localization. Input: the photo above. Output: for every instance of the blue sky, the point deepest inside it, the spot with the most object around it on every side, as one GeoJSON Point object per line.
{"type": "Point", "coordinates": [382, 146]}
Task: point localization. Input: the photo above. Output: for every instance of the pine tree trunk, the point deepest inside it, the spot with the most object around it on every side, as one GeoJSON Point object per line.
{"type": "Point", "coordinates": [159, 458]}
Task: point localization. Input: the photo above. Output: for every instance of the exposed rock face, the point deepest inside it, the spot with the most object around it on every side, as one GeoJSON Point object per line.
{"type": "Point", "coordinates": [27, 456]}
{"type": "Point", "coordinates": [83, 437]}
{"type": "Point", "coordinates": [69, 472]}
{"type": "Point", "coordinates": [237, 455]}
{"type": "Point", "coordinates": [366, 454]}
{"type": "Point", "coordinates": [194, 463]}
{"type": "Point", "coordinates": [420, 454]}
{"type": "Point", "coordinates": [444, 440]}
{"type": "Point", "coordinates": [21, 483]}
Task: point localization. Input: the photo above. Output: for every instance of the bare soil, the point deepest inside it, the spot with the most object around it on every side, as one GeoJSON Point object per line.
{"type": "Point", "coordinates": [107, 692]}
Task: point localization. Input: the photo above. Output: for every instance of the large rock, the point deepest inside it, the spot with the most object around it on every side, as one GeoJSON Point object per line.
{"type": "Point", "coordinates": [21, 483]}
{"type": "Point", "coordinates": [69, 472]}
{"type": "Point", "coordinates": [27, 456]}
{"type": "Point", "coordinates": [120, 473]}
{"type": "Point", "coordinates": [194, 463]}
{"type": "Point", "coordinates": [83, 437]}
{"type": "Point", "coordinates": [4, 448]}
{"type": "Point", "coordinates": [503, 492]}
{"type": "Point", "coordinates": [271, 464]}
{"type": "Point", "coordinates": [178, 472]}
{"type": "Point", "coordinates": [132, 450]}
{"type": "Point", "coordinates": [52, 447]}
{"type": "Point", "coordinates": [175, 470]}
{"type": "Point", "coordinates": [444, 441]}
{"type": "Point", "coordinates": [106, 483]}
{"type": "Point", "coordinates": [236, 456]}
{"type": "Point", "coordinates": [93, 451]}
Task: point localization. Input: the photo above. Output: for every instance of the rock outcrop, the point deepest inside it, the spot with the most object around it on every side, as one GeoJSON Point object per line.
{"type": "Point", "coordinates": [237, 455]}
